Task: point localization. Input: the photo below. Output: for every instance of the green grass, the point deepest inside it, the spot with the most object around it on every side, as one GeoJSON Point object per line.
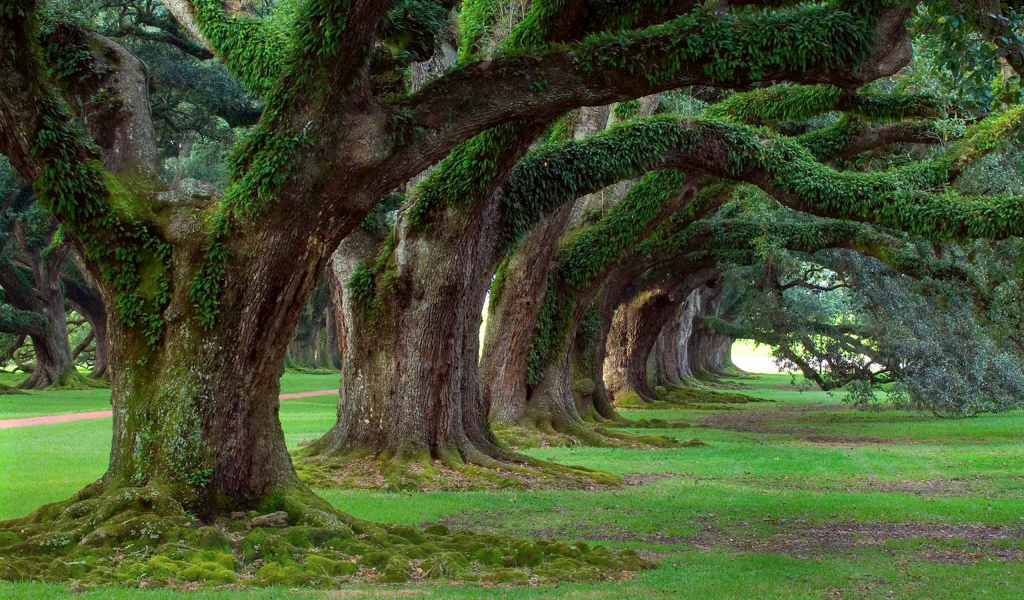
{"type": "Point", "coordinates": [718, 516]}
{"type": "Point", "coordinates": [46, 402]}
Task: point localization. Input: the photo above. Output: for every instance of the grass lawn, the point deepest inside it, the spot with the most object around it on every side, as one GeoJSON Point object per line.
{"type": "Point", "coordinates": [34, 404]}
{"type": "Point", "coordinates": [797, 498]}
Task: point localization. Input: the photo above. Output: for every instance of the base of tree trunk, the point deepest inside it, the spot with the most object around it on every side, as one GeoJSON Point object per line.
{"type": "Point", "coordinates": [700, 397]}
{"type": "Point", "coordinates": [70, 380]}
{"type": "Point", "coordinates": [594, 431]}
{"type": "Point", "coordinates": [422, 472]}
{"type": "Point", "coordinates": [143, 537]}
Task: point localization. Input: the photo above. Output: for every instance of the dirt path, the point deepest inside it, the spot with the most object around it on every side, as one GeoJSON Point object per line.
{"type": "Point", "coordinates": [99, 414]}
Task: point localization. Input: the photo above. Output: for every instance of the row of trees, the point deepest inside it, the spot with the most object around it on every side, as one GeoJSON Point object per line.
{"type": "Point", "coordinates": [430, 157]}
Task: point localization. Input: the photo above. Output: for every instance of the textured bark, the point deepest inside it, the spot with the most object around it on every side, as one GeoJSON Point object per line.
{"type": "Point", "coordinates": [630, 341]}
{"type": "Point", "coordinates": [195, 412]}
{"type": "Point", "coordinates": [512, 318]}
{"type": "Point", "coordinates": [410, 387]}
{"type": "Point", "coordinates": [710, 350]}
{"type": "Point", "coordinates": [636, 327]}
{"type": "Point", "coordinates": [673, 366]}
{"type": "Point", "coordinates": [513, 314]}
{"type": "Point", "coordinates": [555, 402]}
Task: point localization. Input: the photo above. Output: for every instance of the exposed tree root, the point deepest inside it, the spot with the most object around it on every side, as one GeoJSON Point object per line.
{"type": "Point", "coordinates": [6, 389]}
{"type": "Point", "coordinates": [72, 380]}
{"type": "Point", "coordinates": [142, 537]}
{"type": "Point", "coordinates": [508, 470]}
{"type": "Point", "coordinates": [684, 397]}
{"type": "Point", "coordinates": [596, 432]}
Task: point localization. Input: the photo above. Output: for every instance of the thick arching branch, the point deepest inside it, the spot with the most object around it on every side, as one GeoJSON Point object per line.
{"type": "Point", "coordinates": [846, 50]}
{"type": "Point", "coordinates": [902, 198]}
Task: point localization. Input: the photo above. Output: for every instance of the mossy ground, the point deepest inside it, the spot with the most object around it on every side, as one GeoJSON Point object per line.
{"type": "Point", "coordinates": [141, 537]}
{"type": "Point", "coordinates": [425, 474]}
{"type": "Point", "coordinates": [726, 520]}
{"type": "Point", "coordinates": [605, 433]}
{"type": "Point", "coordinates": [701, 398]}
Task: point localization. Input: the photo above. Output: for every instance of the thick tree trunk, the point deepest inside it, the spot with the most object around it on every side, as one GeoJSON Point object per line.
{"type": "Point", "coordinates": [101, 356]}
{"type": "Point", "coordinates": [55, 364]}
{"type": "Point", "coordinates": [302, 349]}
{"type": "Point", "coordinates": [635, 329]}
{"type": "Point", "coordinates": [409, 380]}
{"type": "Point", "coordinates": [710, 351]}
{"type": "Point", "coordinates": [565, 396]}
{"type": "Point", "coordinates": [673, 367]}
{"type": "Point", "coordinates": [198, 416]}
{"type": "Point", "coordinates": [515, 305]}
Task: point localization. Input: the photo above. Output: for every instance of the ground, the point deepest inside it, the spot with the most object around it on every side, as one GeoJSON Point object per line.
{"type": "Point", "coordinates": [797, 498]}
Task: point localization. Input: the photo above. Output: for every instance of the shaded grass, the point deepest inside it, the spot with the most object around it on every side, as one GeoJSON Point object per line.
{"type": "Point", "coordinates": [48, 402]}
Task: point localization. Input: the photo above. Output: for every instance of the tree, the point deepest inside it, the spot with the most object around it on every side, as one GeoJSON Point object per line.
{"type": "Point", "coordinates": [204, 290]}
{"type": "Point", "coordinates": [31, 263]}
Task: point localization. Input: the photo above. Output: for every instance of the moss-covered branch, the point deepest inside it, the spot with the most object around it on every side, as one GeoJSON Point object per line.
{"type": "Point", "coordinates": [803, 102]}
{"type": "Point", "coordinates": [911, 198]}
{"type": "Point", "coordinates": [807, 44]}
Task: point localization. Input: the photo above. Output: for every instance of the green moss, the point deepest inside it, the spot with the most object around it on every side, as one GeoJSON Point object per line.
{"type": "Point", "coordinates": [739, 46]}
{"type": "Point", "coordinates": [488, 556]}
{"type": "Point", "coordinates": [329, 567]}
{"type": "Point", "coordinates": [275, 574]}
{"type": "Point", "coordinates": [435, 529]}
{"type": "Point", "coordinates": [804, 102]}
{"type": "Point", "coordinates": [444, 565]}
{"type": "Point", "coordinates": [395, 571]}
{"type": "Point", "coordinates": [507, 576]}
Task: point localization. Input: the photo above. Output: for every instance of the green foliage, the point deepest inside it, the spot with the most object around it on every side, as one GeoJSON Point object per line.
{"type": "Point", "coordinates": [74, 187]}
{"type": "Point", "coordinates": [475, 19]}
{"type": "Point", "coordinates": [372, 279]}
{"type": "Point", "coordinates": [557, 173]}
{"type": "Point", "coordinates": [252, 50]}
{"type": "Point", "coordinates": [464, 175]}
{"type": "Point", "coordinates": [589, 253]}
{"type": "Point", "coordinates": [738, 47]}
{"type": "Point", "coordinates": [804, 102]}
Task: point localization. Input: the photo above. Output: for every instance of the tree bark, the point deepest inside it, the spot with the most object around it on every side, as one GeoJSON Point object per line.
{"type": "Point", "coordinates": [55, 365]}
{"type": "Point", "coordinates": [515, 305]}
{"type": "Point", "coordinates": [710, 350]}
{"type": "Point", "coordinates": [409, 385]}
{"type": "Point", "coordinates": [636, 328]}
{"type": "Point", "coordinates": [673, 367]}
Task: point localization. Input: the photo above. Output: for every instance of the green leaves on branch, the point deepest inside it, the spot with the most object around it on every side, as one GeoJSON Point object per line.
{"type": "Point", "coordinates": [560, 172]}
{"type": "Point", "coordinates": [804, 102]}
{"type": "Point", "coordinates": [738, 47]}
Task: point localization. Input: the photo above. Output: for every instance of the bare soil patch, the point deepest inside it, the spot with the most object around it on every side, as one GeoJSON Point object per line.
{"type": "Point", "coordinates": [778, 419]}
{"type": "Point", "coordinates": [959, 544]}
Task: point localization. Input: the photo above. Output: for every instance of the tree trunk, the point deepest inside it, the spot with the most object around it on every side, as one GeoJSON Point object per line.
{"type": "Point", "coordinates": [55, 364]}
{"type": "Point", "coordinates": [636, 328]}
{"type": "Point", "coordinates": [673, 367]}
{"type": "Point", "coordinates": [85, 299]}
{"type": "Point", "coordinates": [302, 349]}
{"type": "Point", "coordinates": [634, 331]}
{"type": "Point", "coordinates": [515, 305]}
{"type": "Point", "coordinates": [710, 350]}
{"type": "Point", "coordinates": [409, 385]}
